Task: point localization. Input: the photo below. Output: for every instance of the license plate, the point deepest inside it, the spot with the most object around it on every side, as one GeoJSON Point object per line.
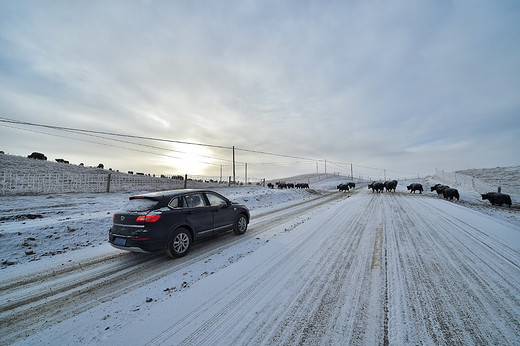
{"type": "Point", "coordinates": [119, 241]}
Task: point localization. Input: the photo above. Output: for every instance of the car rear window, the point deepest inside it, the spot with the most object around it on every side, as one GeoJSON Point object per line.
{"type": "Point", "coordinates": [139, 205]}
{"type": "Point", "coordinates": [176, 202]}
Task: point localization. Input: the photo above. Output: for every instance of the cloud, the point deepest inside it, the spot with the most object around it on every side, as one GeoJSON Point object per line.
{"type": "Point", "coordinates": [383, 85]}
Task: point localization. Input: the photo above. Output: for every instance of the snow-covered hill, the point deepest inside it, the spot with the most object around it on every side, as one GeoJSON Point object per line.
{"type": "Point", "coordinates": [508, 178]}
{"type": "Point", "coordinates": [23, 165]}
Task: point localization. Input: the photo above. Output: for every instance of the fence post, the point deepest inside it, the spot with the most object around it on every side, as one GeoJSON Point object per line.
{"type": "Point", "coordinates": [108, 181]}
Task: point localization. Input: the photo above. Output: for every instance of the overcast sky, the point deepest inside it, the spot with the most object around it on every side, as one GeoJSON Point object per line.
{"type": "Point", "coordinates": [402, 86]}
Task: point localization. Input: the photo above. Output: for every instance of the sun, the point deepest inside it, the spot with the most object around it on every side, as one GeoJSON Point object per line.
{"type": "Point", "coordinates": [190, 159]}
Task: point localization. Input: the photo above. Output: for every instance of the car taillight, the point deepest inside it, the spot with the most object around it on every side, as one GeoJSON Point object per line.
{"type": "Point", "coordinates": [148, 218]}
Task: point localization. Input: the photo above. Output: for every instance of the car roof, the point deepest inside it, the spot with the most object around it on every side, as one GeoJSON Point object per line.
{"type": "Point", "coordinates": [169, 193]}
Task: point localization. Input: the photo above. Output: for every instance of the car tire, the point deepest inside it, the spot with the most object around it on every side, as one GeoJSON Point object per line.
{"type": "Point", "coordinates": [240, 225]}
{"type": "Point", "coordinates": [179, 243]}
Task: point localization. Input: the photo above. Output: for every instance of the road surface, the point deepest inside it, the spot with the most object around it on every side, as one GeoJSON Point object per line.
{"type": "Point", "coordinates": [358, 268]}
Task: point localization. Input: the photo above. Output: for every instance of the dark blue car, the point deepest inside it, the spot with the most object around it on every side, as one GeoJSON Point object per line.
{"type": "Point", "coordinates": [172, 220]}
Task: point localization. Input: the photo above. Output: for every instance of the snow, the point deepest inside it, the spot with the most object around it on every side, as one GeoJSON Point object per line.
{"type": "Point", "coordinates": [316, 266]}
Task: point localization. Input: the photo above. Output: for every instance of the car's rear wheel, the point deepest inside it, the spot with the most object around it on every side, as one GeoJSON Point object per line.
{"type": "Point", "coordinates": [240, 225]}
{"type": "Point", "coordinates": [179, 243]}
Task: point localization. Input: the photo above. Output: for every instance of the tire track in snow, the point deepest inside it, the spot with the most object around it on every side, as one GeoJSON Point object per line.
{"type": "Point", "coordinates": [449, 290]}
{"type": "Point", "coordinates": [408, 301]}
{"type": "Point", "coordinates": [253, 281]}
{"type": "Point", "coordinates": [490, 269]}
{"type": "Point", "coordinates": [245, 291]}
{"type": "Point", "coordinates": [321, 301]}
{"type": "Point", "coordinates": [321, 269]}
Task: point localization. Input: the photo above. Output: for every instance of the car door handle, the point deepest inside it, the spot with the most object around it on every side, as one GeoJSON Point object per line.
{"type": "Point", "coordinates": [188, 212]}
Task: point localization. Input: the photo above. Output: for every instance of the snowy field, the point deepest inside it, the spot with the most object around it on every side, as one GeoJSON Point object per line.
{"type": "Point", "coordinates": [315, 267]}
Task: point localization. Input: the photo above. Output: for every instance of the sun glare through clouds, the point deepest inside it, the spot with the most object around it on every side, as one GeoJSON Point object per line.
{"type": "Point", "coordinates": [190, 159]}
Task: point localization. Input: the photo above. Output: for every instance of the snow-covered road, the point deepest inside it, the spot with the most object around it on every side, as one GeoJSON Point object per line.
{"type": "Point", "coordinates": [364, 268]}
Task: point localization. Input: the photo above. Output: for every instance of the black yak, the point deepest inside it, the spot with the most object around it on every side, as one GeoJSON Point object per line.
{"type": "Point", "coordinates": [497, 198]}
{"type": "Point", "coordinates": [343, 187]}
{"type": "Point", "coordinates": [376, 186]}
{"type": "Point", "coordinates": [391, 185]}
{"type": "Point", "coordinates": [450, 193]}
{"type": "Point", "coordinates": [439, 188]}
{"type": "Point", "coordinates": [415, 187]}
{"type": "Point", "coordinates": [38, 156]}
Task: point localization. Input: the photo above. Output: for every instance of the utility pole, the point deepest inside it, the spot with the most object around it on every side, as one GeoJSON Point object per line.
{"type": "Point", "coordinates": [351, 173]}
{"type": "Point", "coordinates": [220, 173]}
{"type": "Point", "coordinates": [234, 165]}
{"type": "Point", "coordinates": [246, 173]}
{"type": "Point", "coordinates": [325, 166]}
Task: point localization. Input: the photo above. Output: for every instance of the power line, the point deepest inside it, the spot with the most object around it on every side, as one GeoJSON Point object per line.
{"type": "Point", "coordinates": [63, 128]}
{"type": "Point", "coordinates": [95, 133]}
{"type": "Point", "coordinates": [279, 155]}
{"type": "Point", "coordinates": [110, 145]}
{"type": "Point", "coordinates": [148, 146]}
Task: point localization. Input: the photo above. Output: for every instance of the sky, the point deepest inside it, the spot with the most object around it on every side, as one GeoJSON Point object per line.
{"type": "Point", "coordinates": [381, 89]}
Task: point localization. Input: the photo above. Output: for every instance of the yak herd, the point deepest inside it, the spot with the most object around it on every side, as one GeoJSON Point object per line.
{"type": "Point", "coordinates": [346, 187]}
{"type": "Point", "coordinates": [284, 185]}
{"type": "Point", "coordinates": [391, 185]}
{"type": "Point", "coordinates": [379, 186]}
{"type": "Point", "coordinates": [445, 191]}
{"type": "Point", "coordinates": [496, 198]}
